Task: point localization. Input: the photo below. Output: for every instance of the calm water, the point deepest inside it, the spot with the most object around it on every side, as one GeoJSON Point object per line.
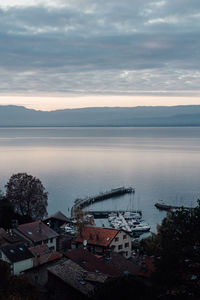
{"type": "Point", "coordinates": [161, 163]}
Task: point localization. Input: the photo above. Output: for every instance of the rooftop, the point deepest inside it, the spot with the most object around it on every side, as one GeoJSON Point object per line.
{"type": "Point", "coordinates": [42, 254]}
{"type": "Point", "coordinates": [9, 237]}
{"type": "Point", "coordinates": [37, 231]}
{"type": "Point", "coordinates": [97, 236]}
{"type": "Point", "coordinates": [77, 278]}
{"type": "Point", "coordinates": [91, 262]}
{"type": "Point", "coordinates": [16, 252]}
{"type": "Point", "coordinates": [59, 216]}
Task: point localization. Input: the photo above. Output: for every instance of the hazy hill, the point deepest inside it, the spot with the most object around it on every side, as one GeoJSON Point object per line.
{"type": "Point", "coordinates": [105, 116]}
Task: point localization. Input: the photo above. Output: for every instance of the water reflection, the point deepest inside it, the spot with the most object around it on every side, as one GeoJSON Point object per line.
{"type": "Point", "coordinates": [161, 163]}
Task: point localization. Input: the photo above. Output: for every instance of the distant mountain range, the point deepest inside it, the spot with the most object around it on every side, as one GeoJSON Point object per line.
{"type": "Point", "coordinates": [187, 115]}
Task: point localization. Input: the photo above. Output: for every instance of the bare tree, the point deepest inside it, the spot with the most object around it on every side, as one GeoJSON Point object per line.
{"type": "Point", "coordinates": [27, 196]}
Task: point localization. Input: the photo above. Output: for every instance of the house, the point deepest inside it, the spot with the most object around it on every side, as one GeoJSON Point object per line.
{"type": "Point", "coordinates": [112, 264]}
{"type": "Point", "coordinates": [43, 257]}
{"type": "Point", "coordinates": [68, 280]}
{"type": "Point", "coordinates": [92, 263]}
{"type": "Point", "coordinates": [9, 237]}
{"type": "Point", "coordinates": [99, 240]}
{"type": "Point", "coordinates": [37, 233]}
{"type": "Point", "coordinates": [55, 221]}
{"type": "Point", "coordinates": [18, 256]}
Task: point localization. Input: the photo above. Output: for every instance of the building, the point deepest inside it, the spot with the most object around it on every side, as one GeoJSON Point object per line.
{"type": "Point", "coordinates": [68, 280]}
{"type": "Point", "coordinates": [99, 240]}
{"type": "Point", "coordinates": [56, 220]}
{"type": "Point", "coordinates": [93, 263]}
{"type": "Point", "coordinates": [43, 258]}
{"type": "Point", "coordinates": [9, 237]}
{"type": "Point", "coordinates": [37, 233]}
{"type": "Point", "coordinates": [42, 255]}
{"type": "Point", "coordinates": [18, 256]}
{"type": "Point", "coordinates": [112, 264]}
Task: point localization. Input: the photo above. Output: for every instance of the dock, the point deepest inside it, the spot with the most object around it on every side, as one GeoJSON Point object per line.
{"type": "Point", "coordinates": [166, 207]}
{"type": "Point", "coordinates": [104, 214]}
{"type": "Point", "coordinates": [82, 203]}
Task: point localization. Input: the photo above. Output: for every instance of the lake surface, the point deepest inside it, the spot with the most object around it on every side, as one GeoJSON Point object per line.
{"type": "Point", "coordinates": [161, 163]}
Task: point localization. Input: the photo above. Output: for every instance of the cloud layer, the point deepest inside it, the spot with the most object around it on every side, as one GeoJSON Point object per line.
{"type": "Point", "coordinates": [100, 47]}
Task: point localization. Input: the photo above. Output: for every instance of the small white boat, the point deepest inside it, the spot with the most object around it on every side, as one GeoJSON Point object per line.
{"type": "Point", "coordinates": [142, 227]}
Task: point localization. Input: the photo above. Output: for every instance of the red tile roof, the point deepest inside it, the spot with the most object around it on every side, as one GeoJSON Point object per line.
{"type": "Point", "coordinates": [147, 267]}
{"type": "Point", "coordinates": [97, 236]}
{"type": "Point", "coordinates": [91, 263]}
{"type": "Point", "coordinates": [123, 265]}
{"type": "Point", "coordinates": [37, 231]}
{"type": "Point", "coordinates": [42, 254]}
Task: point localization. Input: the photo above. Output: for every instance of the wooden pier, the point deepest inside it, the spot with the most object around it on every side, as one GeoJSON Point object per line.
{"type": "Point", "coordinates": [82, 203]}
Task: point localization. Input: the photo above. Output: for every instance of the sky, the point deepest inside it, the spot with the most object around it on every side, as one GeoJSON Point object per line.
{"type": "Point", "coordinates": [76, 53]}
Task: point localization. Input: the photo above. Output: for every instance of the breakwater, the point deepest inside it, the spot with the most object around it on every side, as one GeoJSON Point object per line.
{"type": "Point", "coordinates": [163, 206]}
{"type": "Point", "coordinates": [82, 203]}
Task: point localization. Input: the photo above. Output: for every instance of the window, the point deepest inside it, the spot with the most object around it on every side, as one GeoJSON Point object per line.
{"type": "Point", "coordinates": [126, 245]}
{"type": "Point", "coordinates": [120, 247]}
{"type": "Point", "coordinates": [124, 236]}
{"type": "Point", "coordinates": [51, 240]}
{"type": "Point", "coordinates": [116, 239]}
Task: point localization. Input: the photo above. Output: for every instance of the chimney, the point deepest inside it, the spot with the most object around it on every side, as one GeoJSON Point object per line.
{"type": "Point", "coordinates": [15, 223]}
{"type": "Point", "coordinates": [38, 258]}
{"type": "Point", "coordinates": [40, 226]}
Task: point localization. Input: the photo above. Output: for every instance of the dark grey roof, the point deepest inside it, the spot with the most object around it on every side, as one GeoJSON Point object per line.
{"type": "Point", "coordinates": [9, 237]}
{"type": "Point", "coordinates": [72, 274]}
{"type": "Point", "coordinates": [59, 216]}
{"type": "Point", "coordinates": [37, 231]}
{"type": "Point", "coordinates": [16, 252]}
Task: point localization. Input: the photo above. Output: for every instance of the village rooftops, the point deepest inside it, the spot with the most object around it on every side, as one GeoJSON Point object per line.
{"type": "Point", "coordinates": [9, 237]}
{"type": "Point", "coordinates": [42, 254]}
{"type": "Point", "coordinates": [72, 274]}
{"type": "Point", "coordinates": [97, 236]}
{"type": "Point", "coordinates": [91, 262]}
{"type": "Point", "coordinates": [37, 231]}
{"type": "Point", "coordinates": [16, 252]}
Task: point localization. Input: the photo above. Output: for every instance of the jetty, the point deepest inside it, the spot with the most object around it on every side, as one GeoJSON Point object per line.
{"type": "Point", "coordinates": [167, 207]}
{"type": "Point", "coordinates": [104, 214]}
{"type": "Point", "coordinates": [82, 203]}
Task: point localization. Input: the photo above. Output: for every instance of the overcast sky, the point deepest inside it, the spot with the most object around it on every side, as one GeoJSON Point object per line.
{"type": "Point", "coordinates": [70, 53]}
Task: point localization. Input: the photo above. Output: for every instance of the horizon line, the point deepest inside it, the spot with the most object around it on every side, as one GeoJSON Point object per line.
{"type": "Point", "coordinates": [94, 107]}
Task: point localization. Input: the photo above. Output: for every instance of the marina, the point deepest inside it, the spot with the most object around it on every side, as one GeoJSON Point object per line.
{"type": "Point", "coordinates": [128, 220]}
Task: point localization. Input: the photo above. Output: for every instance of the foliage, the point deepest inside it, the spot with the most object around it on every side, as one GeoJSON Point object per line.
{"type": "Point", "coordinates": [82, 219]}
{"type": "Point", "coordinates": [127, 288]}
{"type": "Point", "coordinates": [176, 245]}
{"type": "Point", "coordinates": [27, 196]}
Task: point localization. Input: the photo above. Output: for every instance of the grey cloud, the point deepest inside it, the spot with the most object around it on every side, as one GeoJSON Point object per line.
{"type": "Point", "coordinates": [101, 47]}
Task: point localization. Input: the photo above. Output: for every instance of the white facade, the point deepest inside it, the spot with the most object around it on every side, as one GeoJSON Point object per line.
{"type": "Point", "coordinates": [18, 267]}
{"type": "Point", "coordinates": [51, 243]}
{"type": "Point", "coordinates": [21, 266]}
{"type": "Point", "coordinates": [122, 244]}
